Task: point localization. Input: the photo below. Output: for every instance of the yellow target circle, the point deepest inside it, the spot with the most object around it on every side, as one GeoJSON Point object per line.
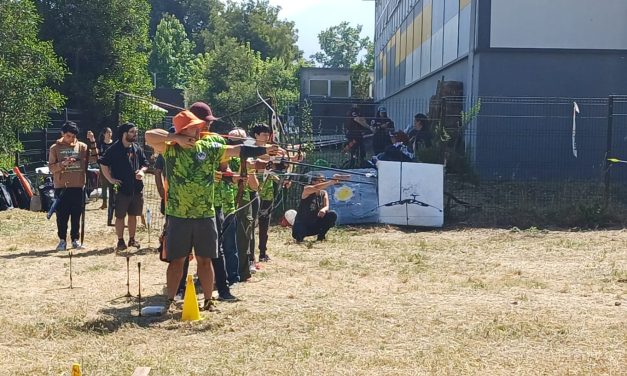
{"type": "Point", "coordinates": [343, 193]}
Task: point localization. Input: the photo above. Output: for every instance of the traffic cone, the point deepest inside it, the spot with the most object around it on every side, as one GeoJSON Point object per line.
{"type": "Point", "coordinates": [190, 303]}
{"type": "Point", "coordinates": [76, 369]}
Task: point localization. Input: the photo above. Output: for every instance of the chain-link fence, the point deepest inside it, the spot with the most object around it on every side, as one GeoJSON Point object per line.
{"type": "Point", "coordinates": [509, 161]}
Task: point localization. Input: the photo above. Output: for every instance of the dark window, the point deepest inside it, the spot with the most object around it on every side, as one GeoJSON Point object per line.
{"type": "Point", "coordinates": [319, 87]}
{"type": "Point", "coordinates": [339, 89]}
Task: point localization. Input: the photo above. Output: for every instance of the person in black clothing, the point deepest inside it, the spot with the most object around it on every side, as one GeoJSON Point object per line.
{"type": "Point", "coordinates": [313, 216]}
{"type": "Point", "coordinates": [355, 128]}
{"type": "Point", "coordinates": [105, 140]}
{"type": "Point", "coordinates": [420, 134]}
{"type": "Point", "coordinates": [124, 165]}
{"type": "Point", "coordinates": [382, 126]}
{"type": "Point", "coordinates": [398, 151]}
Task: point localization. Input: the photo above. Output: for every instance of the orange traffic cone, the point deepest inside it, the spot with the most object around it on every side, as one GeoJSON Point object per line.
{"type": "Point", "coordinates": [76, 369]}
{"type": "Point", "coordinates": [191, 312]}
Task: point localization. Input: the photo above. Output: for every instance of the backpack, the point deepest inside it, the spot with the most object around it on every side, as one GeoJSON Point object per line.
{"type": "Point", "coordinates": [46, 192]}
{"type": "Point", "coordinates": [6, 201]}
{"type": "Point", "coordinates": [20, 197]}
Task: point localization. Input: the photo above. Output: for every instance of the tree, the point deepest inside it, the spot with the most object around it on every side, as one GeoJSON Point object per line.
{"type": "Point", "coordinates": [29, 69]}
{"type": "Point", "coordinates": [209, 22]}
{"type": "Point", "coordinates": [106, 46]}
{"type": "Point", "coordinates": [203, 19]}
{"type": "Point", "coordinates": [340, 46]}
{"type": "Point", "coordinates": [231, 87]}
{"type": "Point", "coordinates": [361, 73]}
{"type": "Point", "coordinates": [257, 22]}
{"type": "Point", "coordinates": [171, 53]}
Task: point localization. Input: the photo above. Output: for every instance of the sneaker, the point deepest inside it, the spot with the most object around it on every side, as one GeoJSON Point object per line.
{"type": "Point", "coordinates": [76, 244]}
{"type": "Point", "coordinates": [133, 243]}
{"type": "Point", "coordinates": [121, 245]}
{"type": "Point", "coordinates": [264, 258]}
{"type": "Point", "coordinates": [62, 246]}
{"type": "Point", "coordinates": [171, 305]}
{"type": "Point", "coordinates": [227, 297]}
{"type": "Point", "coordinates": [208, 305]}
{"type": "Point", "coordinates": [252, 268]}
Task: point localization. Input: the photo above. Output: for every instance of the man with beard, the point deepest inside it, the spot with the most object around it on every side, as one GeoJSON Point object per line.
{"type": "Point", "coordinates": [124, 165]}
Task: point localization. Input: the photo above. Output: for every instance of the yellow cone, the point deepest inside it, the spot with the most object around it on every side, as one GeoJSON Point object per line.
{"type": "Point", "coordinates": [76, 369]}
{"type": "Point", "coordinates": [190, 303]}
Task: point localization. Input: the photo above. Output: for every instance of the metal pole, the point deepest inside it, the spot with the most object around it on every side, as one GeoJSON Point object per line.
{"type": "Point", "coordinates": [117, 107]}
{"type": "Point", "coordinates": [128, 279]}
{"type": "Point", "coordinates": [608, 152]}
{"type": "Point", "coordinates": [139, 287]}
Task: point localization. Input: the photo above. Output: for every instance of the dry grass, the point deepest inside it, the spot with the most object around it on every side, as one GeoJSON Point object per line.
{"type": "Point", "coordinates": [370, 301]}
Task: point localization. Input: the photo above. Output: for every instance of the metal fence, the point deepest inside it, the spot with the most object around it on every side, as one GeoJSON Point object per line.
{"type": "Point", "coordinates": [508, 161]}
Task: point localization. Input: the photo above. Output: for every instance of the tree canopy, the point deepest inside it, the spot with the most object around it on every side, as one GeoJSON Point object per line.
{"type": "Point", "coordinates": [340, 45]}
{"type": "Point", "coordinates": [29, 69]}
{"type": "Point", "coordinates": [209, 22]}
{"type": "Point", "coordinates": [172, 54]}
{"type": "Point", "coordinates": [106, 46]}
{"type": "Point", "coordinates": [230, 87]}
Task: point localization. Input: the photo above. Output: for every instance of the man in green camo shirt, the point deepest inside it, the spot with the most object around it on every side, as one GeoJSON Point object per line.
{"type": "Point", "coordinates": [190, 163]}
{"type": "Point", "coordinates": [224, 201]}
{"type": "Point", "coordinates": [244, 219]}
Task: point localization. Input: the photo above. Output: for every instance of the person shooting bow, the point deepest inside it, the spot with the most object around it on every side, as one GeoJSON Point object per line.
{"type": "Point", "coordinates": [314, 216]}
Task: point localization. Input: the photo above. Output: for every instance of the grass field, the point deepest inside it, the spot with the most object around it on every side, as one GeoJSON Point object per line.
{"type": "Point", "coordinates": [369, 301]}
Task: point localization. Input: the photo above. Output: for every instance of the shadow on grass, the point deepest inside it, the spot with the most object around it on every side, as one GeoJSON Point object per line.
{"type": "Point", "coordinates": [79, 253]}
{"type": "Point", "coordinates": [126, 314]}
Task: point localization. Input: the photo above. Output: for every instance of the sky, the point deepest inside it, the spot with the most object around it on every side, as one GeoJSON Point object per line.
{"type": "Point", "coordinates": [313, 16]}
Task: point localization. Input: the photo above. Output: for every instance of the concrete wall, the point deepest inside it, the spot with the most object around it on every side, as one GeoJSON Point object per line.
{"type": "Point", "coordinates": [403, 105]}
{"type": "Point", "coordinates": [550, 73]}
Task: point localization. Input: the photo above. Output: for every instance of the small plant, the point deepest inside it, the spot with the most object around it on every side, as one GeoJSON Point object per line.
{"type": "Point", "coordinates": [306, 127]}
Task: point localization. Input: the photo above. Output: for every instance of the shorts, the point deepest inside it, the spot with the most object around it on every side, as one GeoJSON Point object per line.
{"type": "Point", "coordinates": [183, 234]}
{"type": "Point", "coordinates": [131, 205]}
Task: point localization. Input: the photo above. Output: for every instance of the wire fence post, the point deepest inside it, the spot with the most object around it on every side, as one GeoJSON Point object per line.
{"type": "Point", "coordinates": [17, 153]}
{"type": "Point", "coordinates": [608, 150]}
{"type": "Point", "coordinates": [117, 108]}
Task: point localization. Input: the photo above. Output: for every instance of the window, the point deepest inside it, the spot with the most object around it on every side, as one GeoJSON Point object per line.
{"type": "Point", "coordinates": [319, 87]}
{"type": "Point", "coordinates": [339, 89]}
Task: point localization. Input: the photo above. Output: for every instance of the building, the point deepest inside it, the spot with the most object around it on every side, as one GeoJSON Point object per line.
{"type": "Point", "coordinates": [498, 48]}
{"type": "Point", "coordinates": [331, 94]}
{"type": "Point", "coordinates": [327, 83]}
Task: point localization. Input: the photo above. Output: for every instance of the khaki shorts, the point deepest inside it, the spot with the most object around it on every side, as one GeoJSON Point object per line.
{"type": "Point", "coordinates": [183, 234]}
{"type": "Point", "coordinates": [131, 205]}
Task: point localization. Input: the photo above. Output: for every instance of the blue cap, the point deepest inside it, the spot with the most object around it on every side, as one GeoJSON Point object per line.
{"type": "Point", "coordinates": [382, 109]}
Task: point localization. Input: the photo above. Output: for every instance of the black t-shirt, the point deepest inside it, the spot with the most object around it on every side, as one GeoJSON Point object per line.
{"type": "Point", "coordinates": [160, 164]}
{"type": "Point", "coordinates": [103, 147]}
{"type": "Point", "coordinates": [123, 162]}
{"type": "Point", "coordinates": [309, 207]}
{"type": "Point", "coordinates": [383, 126]}
{"type": "Point", "coordinates": [419, 138]}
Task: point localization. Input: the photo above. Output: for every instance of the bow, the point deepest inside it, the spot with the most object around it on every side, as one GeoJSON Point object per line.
{"type": "Point", "coordinates": [273, 119]}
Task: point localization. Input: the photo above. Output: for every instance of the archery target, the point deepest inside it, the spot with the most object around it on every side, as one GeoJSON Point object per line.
{"type": "Point", "coordinates": [411, 194]}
